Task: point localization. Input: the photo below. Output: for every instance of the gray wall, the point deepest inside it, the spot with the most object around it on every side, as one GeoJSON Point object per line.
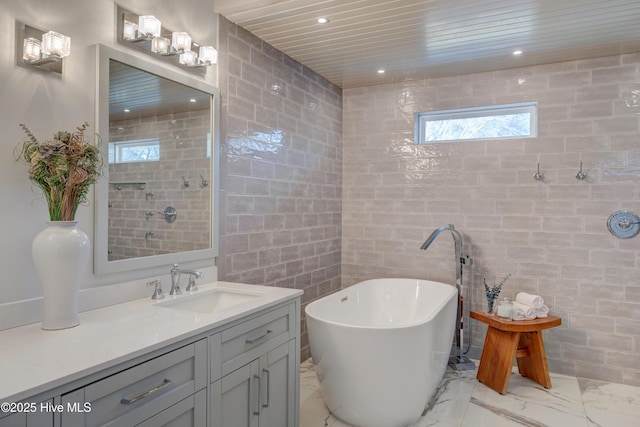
{"type": "Point", "coordinates": [281, 163]}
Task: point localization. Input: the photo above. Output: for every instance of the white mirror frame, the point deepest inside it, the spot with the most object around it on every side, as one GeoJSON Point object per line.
{"type": "Point", "coordinates": [101, 264]}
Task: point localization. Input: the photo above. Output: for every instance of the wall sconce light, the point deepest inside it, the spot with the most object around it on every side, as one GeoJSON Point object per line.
{"type": "Point", "coordinates": [175, 46]}
{"type": "Point", "coordinates": [44, 50]}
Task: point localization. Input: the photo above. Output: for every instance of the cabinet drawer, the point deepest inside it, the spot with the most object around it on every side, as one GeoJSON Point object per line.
{"type": "Point", "coordinates": [191, 412]}
{"type": "Point", "coordinates": [135, 394]}
{"type": "Point", "coordinates": [238, 345]}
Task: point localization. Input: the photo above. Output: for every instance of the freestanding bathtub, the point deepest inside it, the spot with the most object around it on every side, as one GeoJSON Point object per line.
{"type": "Point", "coordinates": [380, 348]}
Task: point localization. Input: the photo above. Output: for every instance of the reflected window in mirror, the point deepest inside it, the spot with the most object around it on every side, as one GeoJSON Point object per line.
{"type": "Point", "coordinates": [143, 150]}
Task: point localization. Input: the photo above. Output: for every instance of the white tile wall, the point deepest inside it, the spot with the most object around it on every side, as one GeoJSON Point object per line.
{"type": "Point", "coordinates": [550, 236]}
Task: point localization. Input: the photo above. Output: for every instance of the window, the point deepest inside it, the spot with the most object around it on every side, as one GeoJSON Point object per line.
{"type": "Point", "coordinates": [490, 122]}
{"type": "Point", "coordinates": [141, 150]}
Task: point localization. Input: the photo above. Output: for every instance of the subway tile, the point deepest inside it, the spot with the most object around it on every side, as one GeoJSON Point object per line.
{"type": "Point", "coordinates": [599, 291]}
{"type": "Point", "coordinates": [593, 323]}
{"type": "Point", "coordinates": [615, 124]}
{"type": "Point", "coordinates": [613, 259]}
{"type": "Point", "coordinates": [570, 79]}
{"type": "Point", "coordinates": [618, 309]}
{"type": "Point", "coordinates": [599, 372]}
{"type": "Point", "coordinates": [583, 354]}
{"type": "Point", "coordinates": [624, 360]}
{"type": "Point", "coordinates": [621, 73]}
{"type": "Point", "coordinates": [591, 109]}
{"type": "Point", "coordinates": [608, 341]}
{"type": "Point", "coordinates": [627, 326]}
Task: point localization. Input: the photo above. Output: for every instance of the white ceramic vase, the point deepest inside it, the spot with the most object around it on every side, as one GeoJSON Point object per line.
{"type": "Point", "coordinates": [60, 253]}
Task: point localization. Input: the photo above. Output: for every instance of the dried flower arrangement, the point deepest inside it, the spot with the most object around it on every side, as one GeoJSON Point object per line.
{"type": "Point", "coordinates": [493, 292]}
{"type": "Point", "coordinates": [63, 167]}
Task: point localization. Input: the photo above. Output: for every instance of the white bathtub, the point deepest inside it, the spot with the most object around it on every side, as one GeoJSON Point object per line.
{"type": "Point", "coordinates": [380, 348]}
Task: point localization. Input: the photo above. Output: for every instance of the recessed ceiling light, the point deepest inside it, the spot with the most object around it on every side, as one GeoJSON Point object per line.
{"type": "Point", "coordinates": [193, 100]}
{"type": "Point", "coordinates": [517, 52]}
{"type": "Point", "coordinates": [126, 110]}
{"type": "Point", "coordinates": [380, 71]}
{"type": "Point", "coordinates": [322, 20]}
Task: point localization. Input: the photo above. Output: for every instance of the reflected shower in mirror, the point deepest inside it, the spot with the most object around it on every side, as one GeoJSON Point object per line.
{"type": "Point", "coordinates": [157, 129]}
{"type": "Point", "coordinates": [159, 134]}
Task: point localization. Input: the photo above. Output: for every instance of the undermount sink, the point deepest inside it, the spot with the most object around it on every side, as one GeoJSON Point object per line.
{"type": "Point", "coordinates": [208, 301]}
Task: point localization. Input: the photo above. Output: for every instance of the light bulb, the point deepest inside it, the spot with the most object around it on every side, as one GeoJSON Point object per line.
{"type": "Point", "coordinates": [160, 45]}
{"type": "Point", "coordinates": [189, 59]}
{"type": "Point", "coordinates": [129, 31]}
{"type": "Point", "coordinates": [207, 55]}
{"type": "Point", "coordinates": [31, 49]}
{"type": "Point", "coordinates": [181, 41]}
{"type": "Point", "coordinates": [149, 26]}
{"type": "Point", "coordinates": [55, 44]}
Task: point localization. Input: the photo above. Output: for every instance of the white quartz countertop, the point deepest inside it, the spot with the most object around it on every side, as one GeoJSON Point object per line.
{"type": "Point", "coordinates": [35, 361]}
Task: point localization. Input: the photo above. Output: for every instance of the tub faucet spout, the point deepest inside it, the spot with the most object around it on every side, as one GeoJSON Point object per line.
{"type": "Point", "coordinates": [457, 238]}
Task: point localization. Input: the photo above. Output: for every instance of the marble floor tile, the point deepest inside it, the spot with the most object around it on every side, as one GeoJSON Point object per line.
{"type": "Point", "coordinates": [610, 405]}
{"type": "Point", "coordinates": [462, 401]}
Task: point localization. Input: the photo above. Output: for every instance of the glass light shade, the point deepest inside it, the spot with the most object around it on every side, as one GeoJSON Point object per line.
{"type": "Point", "coordinates": [149, 25]}
{"type": "Point", "coordinates": [207, 55]}
{"type": "Point", "coordinates": [189, 59]}
{"type": "Point", "coordinates": [31, 49]}
{"type": "Point", "coordinates": [181, 41]}
{"type": "Point", "coordinates": [55, 44]}
{"type": "Point", "coordinates": [160, 45]}
{"type": "Point", "coordinates": [129, 31]}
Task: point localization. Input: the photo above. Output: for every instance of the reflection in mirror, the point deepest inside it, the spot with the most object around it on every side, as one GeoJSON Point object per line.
{"type": "Point", "coordinates": [158, 143]}
{"type": "Point", "coordinates": [155, 205]}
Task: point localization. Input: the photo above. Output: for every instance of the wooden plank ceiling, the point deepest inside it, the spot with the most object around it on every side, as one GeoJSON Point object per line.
{"type": "Point", "coordinates": [144, 94]}
{"type": "Point", "coordinates": [412, 39]}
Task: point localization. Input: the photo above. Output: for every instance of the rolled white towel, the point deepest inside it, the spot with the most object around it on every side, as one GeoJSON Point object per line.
{"type": "Point", "coordinates": [542, 311]}
{"type": "Point", "coordinates": [523, 312]}
{"type": "Point", "coordinates": [535, 301]}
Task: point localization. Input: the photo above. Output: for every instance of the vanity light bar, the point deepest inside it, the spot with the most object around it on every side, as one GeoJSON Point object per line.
{"type": "Point", "coordinates": [44, 50]}
{"type": "Point", "coordinates": [149, 30]}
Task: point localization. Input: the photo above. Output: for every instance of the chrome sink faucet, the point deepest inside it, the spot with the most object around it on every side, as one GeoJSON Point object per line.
{"type": "Point", "coordinates": [175, 280]}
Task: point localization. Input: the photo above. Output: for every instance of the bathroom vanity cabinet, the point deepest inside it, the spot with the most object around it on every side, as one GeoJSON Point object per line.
{"type": "Point", "coordinates": [256, 386]}
{"type": "Point", "coordinates": [242, 373]}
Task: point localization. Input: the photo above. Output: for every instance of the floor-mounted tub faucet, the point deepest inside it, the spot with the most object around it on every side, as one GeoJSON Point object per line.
{"type": "Point", "coordinates": [459, 362]}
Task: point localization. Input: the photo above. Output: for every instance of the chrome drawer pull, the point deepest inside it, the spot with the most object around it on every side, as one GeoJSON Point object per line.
{"type": "Point", "coordinates": [252, 340]}
{"type": "Point", "coordinates": [257, 378]}
{"type": "Point", "coordinates": [268, 374]}
{"type": "Point", "coordinates": [166, 383]}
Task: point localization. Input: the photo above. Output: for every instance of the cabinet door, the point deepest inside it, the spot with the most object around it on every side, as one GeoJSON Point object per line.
{"type": "Point", "coordinates": [235, 398]}
{"type": "Point", "coordinates": [189, 412]}
{"type": "Point", "coordinates": [278, 394]}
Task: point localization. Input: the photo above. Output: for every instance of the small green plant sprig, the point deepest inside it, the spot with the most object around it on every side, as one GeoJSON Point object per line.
{"type": "Point", "coordinates": [493, 292]}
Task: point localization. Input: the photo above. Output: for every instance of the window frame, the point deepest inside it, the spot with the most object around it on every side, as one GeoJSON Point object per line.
{"type": "Point", "coordinates": [119, 145]}
{"type": "Point", "coordinates": [420, 119]}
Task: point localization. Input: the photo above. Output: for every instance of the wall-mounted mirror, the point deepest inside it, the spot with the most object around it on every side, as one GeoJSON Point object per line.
{"type": "Point", "coordinates": [156, 203]}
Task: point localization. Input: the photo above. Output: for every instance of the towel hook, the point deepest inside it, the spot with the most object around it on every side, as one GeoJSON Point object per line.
{"type": "Point", "coordinates": [538, 176]}
{"type": "Point", "coordinates": [581, 175]}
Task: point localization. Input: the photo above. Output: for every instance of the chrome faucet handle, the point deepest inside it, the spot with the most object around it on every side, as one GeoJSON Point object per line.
{"type": "Point", "coordinates": [192, 284]}
{"type": "Point", "coordinates": [157, 292]}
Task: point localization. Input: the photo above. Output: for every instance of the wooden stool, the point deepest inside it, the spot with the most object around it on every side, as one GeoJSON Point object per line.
{"type": "Point", "coordinates": [506, 340]}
